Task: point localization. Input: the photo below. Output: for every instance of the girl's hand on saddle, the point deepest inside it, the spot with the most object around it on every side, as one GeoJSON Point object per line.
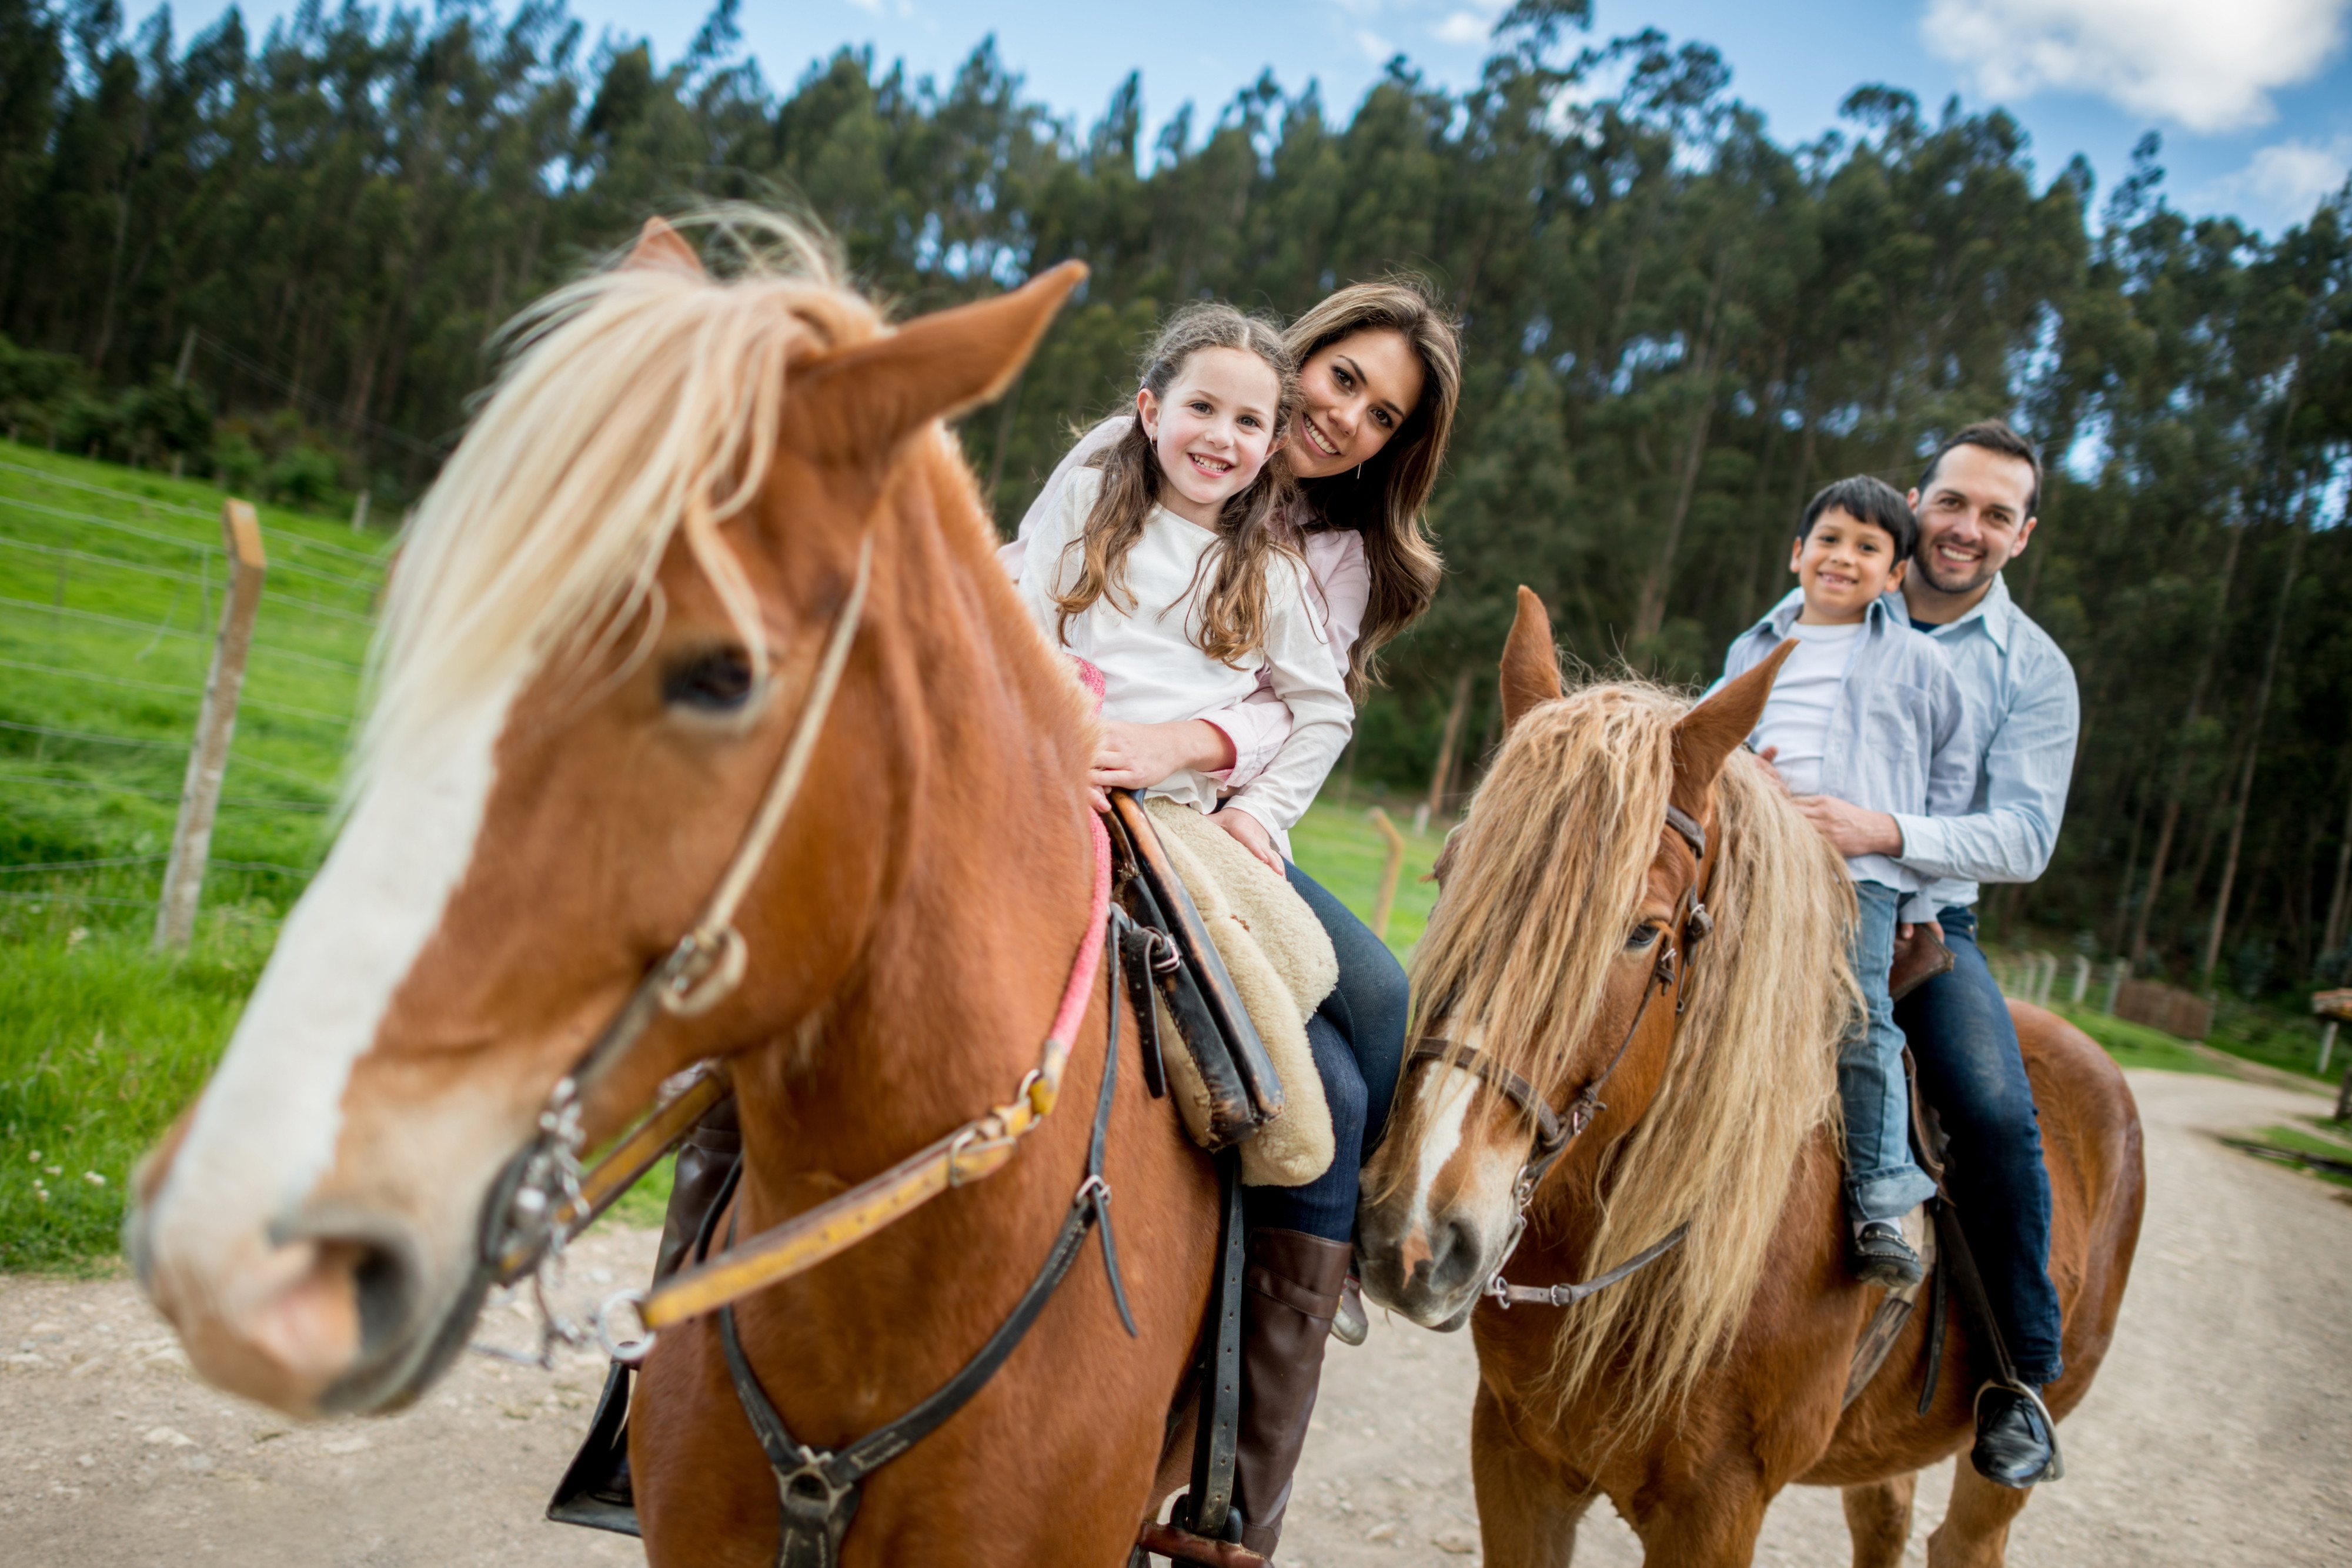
{"type": "Point", "coordinates": [1251, 834]}
{"type": "Point", "coordinates": [1138, 756]}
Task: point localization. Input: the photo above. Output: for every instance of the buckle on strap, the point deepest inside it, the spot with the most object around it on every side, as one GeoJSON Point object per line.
{"type": "Point", "coordinates": [701, 971]}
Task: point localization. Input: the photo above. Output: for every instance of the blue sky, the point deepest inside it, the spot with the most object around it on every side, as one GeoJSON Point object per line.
{"type": "Point", "coordinates": [2253, 98]}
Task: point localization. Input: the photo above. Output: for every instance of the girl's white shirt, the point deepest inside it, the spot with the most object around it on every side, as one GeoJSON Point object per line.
{"type": "Point", "coordinates": [1154, 671]}
{"type": "Point", "coordinates": [1343, 588]}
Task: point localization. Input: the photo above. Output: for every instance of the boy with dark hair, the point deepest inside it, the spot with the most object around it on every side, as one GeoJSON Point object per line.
{"type": "Point", "coordinates": [1867, 711]}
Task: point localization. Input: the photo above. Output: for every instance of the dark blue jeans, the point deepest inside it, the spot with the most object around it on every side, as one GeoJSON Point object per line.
{"type": "Point", "coordinates": [1358, 1039]}
{"type": "Point", "coordinates": [1974, 1074]}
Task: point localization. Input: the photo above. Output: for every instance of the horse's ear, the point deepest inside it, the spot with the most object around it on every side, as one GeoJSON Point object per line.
{"type": "Point", "coordinates": [658, 245]}
{"type": "Point", "coordinates": [1708, 734]}
{"type": "Point", "coordinates": [1530, 663]}
{"type": "Point", "coordinates": [857, 404]}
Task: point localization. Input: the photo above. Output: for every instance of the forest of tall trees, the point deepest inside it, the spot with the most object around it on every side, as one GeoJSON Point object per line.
{"type": "Point", "coordinates": [280, 259]}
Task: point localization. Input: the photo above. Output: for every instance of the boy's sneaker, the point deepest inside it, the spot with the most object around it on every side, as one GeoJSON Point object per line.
{"type": "Point", "coordinates": [1879, 1255]}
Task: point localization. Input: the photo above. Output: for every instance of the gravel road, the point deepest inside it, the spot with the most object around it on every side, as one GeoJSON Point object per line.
{"type": "Point", "coordinates": [2219, 1432]}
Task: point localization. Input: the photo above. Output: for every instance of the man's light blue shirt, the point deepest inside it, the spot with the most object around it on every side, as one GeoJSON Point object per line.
{"type": "Point", "coordinates": [2025, 715]}
{"type": "Point", "coordinates": [1899, 739]}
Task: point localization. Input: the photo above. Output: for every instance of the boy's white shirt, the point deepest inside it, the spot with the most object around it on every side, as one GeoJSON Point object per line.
{"type": "Point", "coordinates": [1155, 673]}
{"type": "Point", "coordinates": [1797, 715]}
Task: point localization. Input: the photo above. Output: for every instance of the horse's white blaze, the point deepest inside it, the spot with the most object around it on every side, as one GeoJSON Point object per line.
{"type": "Point", "coordinates": [266, 1130]}
{"type": "Point", "coordinates": [1454, 1090]}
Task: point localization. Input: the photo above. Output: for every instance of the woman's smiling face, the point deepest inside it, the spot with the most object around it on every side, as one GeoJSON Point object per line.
{"type": "Point", "coordinates": [1358, 390]}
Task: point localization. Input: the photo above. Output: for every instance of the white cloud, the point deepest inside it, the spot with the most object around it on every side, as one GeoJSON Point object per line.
{"type": "Point", "coordinates": [2207, 66]}
{"type": "Point", "coordinates": [1463, 28]}
{"type": "Point", "coordinates": [2282, 183]}
{"type": "Point", "coordinates": [1377, 49]}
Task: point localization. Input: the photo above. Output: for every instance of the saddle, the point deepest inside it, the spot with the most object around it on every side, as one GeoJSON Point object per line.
{"type": "Point", "coordinates": [1171, 967]}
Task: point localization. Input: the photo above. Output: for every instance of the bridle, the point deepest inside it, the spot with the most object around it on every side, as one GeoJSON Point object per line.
{"type": "Point", "coordinates": [1670, 970]}
{"type": "Point", "coordinates": [546, 1197]}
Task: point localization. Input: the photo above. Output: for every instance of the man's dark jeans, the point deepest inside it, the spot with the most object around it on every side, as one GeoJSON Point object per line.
{"type": "Point", "coordinates": [1974, 1074]}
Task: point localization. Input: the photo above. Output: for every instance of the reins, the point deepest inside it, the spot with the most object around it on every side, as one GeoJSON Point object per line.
{"type": "Point", "coordinates": [1690, 926]}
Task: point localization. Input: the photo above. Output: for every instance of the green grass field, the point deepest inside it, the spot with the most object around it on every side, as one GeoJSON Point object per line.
{"type": "Point", "coordinates": [111, 584]}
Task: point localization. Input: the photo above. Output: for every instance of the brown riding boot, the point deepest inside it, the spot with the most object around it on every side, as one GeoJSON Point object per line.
{"type": "Point", "coordinates": [1291, 1293]}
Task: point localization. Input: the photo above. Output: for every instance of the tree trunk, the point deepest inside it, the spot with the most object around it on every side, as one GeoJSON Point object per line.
{"type": "Point", "coordinates": [2253, 755]}
{"type": "Point", "coordinates": [2171, 819]}
{"type": "Point", "coordinates": [2336, 901]}
{"type": "Point", "coordinates": [1650, 609]}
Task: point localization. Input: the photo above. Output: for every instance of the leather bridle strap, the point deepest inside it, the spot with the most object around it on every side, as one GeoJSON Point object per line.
{"type": "Point", "coordinates": [1551, 1132]}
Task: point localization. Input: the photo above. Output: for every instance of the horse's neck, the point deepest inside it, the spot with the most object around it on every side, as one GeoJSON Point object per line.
{"type": "Point", "coordinates": [989, 858]}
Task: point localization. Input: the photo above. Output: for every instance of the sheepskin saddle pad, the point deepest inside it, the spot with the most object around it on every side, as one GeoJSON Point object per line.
{"type": "Point", "coordinates": [1281, 962]}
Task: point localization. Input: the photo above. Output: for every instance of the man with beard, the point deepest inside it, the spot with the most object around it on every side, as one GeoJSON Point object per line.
{"type": "Point", "coordinates": [1976, 505]}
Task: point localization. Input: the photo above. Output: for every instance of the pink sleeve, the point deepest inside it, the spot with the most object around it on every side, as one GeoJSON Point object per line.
{"type": "Point", "coordinates": [1257, 726]}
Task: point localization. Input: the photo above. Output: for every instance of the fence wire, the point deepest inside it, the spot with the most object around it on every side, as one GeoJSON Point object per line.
{"type": "Point", "coordinates": [43, 775]}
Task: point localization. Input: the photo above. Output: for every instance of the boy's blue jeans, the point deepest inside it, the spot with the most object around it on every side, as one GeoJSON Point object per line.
{"type": "Point", "coordinates": [1966, 1045]}
{"type": "Point", "coordinates": [1882, 1180]}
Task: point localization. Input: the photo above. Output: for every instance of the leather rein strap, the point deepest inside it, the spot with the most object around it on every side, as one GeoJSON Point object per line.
{"type": "Point", "coordinates": [1554, 1133]}
{"type": "Point", "coordinates": [818, 1489]}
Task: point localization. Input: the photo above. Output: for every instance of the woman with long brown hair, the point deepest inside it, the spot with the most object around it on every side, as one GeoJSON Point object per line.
{"type": "Point", "coordinates": [1379, 372]}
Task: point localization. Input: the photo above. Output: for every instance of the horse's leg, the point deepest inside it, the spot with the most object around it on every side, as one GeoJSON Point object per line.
{"type": "Point", "coordinates": [1526, 1509]}
{"type": "Point", "coordinates": [1710, 1517]}
{"type": "Point", "coordinates": [1975, 1531]}
{"type": "Point", "coordinates": [1878, 1516]}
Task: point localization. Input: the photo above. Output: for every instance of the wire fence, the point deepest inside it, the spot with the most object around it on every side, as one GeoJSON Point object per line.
{"type": "Point", "coordinates": [98, 613]}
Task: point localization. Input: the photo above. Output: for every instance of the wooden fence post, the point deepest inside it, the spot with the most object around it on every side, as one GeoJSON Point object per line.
{"type": "Point", "coordinates": [184, 879]}
{"type": "Point", "coordinates": [1387, 900]}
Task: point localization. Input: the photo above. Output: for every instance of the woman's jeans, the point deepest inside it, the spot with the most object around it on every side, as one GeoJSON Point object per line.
{"type": "Point", "coordinates": [1882, 1181]}
{"type": "Point", "coordinates": [1974, 1074]}
{"type": "Point", "coordinates": [1358, 1039]}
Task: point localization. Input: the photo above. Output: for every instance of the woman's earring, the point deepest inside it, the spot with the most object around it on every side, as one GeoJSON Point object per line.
{"type": "Point", "coordinates": [1360, 473]}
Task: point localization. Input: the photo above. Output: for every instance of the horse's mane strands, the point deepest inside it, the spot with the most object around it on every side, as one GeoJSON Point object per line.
{"type": "Point", "coordinates": [637, 405]}
{"type": "Point", "coordinates": [1559, 845]}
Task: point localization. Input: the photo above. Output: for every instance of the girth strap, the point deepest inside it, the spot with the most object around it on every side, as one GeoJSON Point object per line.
{"type": "Point", "coordinates": [818, 1489]}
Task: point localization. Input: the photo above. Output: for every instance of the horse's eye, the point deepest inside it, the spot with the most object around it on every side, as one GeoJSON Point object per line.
{"type": "Point", "coordinates": [719, 681]}
{"type": "Point", "coordinates": [1643, 936]}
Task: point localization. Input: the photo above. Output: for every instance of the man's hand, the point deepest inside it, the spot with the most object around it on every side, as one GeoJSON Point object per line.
{"type": "Point", "coordinates": [1138, 756]}
{"type": "Point", "coordinates": [1850, 830]}
{"type": "Point", "coordinates": [1251, 834]}
{"type": "Point", "coordinates": [1903, 929]}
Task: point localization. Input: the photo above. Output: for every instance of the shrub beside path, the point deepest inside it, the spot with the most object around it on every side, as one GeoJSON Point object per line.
{"type": "Point", "coordinates": [2219, 1432]}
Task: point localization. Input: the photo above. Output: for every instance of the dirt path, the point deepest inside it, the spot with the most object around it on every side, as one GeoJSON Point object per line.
{"type": "Point", "coordinates": [2219, 1432]}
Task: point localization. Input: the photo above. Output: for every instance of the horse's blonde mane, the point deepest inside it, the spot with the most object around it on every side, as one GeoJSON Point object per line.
{"type": "Point", "coordinates": [638, 405]}
{"type": "Point", "coordinates": [1540, 896]}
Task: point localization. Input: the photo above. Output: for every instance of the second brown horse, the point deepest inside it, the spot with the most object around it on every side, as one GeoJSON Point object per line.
{"type": "Point", "coordinates": [1691, 1393]}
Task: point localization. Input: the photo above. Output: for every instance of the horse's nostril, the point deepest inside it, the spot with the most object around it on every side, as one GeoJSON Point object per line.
{"type": "Point", "coordinates": [384, 1281]}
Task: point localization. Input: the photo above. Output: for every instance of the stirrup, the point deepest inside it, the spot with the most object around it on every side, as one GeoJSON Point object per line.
{"type": "Point", "coordinates": [2057, 1469]}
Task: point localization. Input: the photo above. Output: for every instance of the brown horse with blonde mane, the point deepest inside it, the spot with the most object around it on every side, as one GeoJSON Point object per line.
{"type": "Point", "coordinates": [1565, 957]}
{"type": "Point", "coordinates": [607, 623]}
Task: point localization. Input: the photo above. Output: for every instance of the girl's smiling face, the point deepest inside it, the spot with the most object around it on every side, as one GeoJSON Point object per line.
{"type": "Point", "coordinates": [1213, 431]}
{"type": "Point", "coordinates": [1356, 393]}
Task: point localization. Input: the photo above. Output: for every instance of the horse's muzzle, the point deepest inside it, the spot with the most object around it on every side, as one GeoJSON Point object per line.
{"type": "Point", "coordinates": [338, 1309]}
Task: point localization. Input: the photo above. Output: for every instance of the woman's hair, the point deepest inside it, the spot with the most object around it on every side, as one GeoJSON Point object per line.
{"type": "Point", "coordinates": [1233, 612]}
{"type": "Point", "coordinates": [1384, 500]}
